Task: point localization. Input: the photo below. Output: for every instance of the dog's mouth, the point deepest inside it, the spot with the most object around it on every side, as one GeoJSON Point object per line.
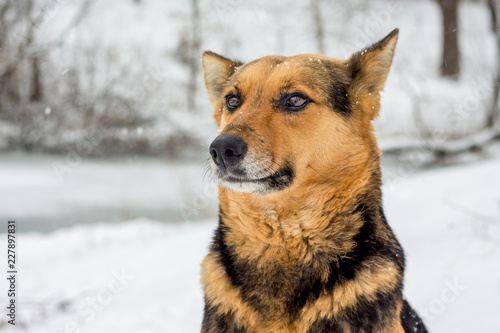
{"type": "Point", "coordinates": [240, 182]}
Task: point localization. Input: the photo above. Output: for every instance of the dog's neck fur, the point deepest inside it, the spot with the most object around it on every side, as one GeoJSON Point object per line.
{"type": "Point", "coordinates": [307, 244]}
{"type": "Point", "coordinates": [294, 226]}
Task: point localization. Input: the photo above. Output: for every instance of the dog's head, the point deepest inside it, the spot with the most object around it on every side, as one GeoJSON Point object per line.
{"type": "Point", "coordinates": [294, 120]}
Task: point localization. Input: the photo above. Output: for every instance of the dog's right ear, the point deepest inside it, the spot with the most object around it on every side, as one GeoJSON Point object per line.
{"type": "Point", "coordinates": [370, 67]}
{"type": "Point", "coordinates": [218, 70]}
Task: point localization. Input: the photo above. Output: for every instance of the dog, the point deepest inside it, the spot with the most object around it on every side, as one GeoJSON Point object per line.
{"type": "Point", "coordinates": [302, 244]}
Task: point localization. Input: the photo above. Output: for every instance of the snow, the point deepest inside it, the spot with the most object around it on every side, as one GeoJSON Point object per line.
{"type": "Point", "coordinates": [73, 265]}
{"type": "Point", "coordinates": [448, 221]}
{"type": "Point", "coordinates": [144, 276]}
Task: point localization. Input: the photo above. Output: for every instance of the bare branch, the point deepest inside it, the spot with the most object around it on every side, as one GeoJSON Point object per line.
{"type": "Point", "coordinates": [77, 19]}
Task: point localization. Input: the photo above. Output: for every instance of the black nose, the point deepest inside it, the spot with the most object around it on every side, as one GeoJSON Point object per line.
{"type": "Point", "coordinates": [228, 150]}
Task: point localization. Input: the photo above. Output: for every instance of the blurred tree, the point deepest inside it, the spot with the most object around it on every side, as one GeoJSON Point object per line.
{"type": "Point", "coordinates": [318, 24]}
{"type": "Point", "coordinates": [494, 114]}
{"type": "Point", "coordinates": [188, 53]}
{"type": "Point", "coordinates": [450, 63]}
{"type": "Point", "coordinates": [36, 94]}
{"type": "Point", "coordinates": [193, 56]}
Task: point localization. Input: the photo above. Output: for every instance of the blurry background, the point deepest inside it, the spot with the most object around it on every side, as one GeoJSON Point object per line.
{"type": "Point", "coordinates": [104, 118]}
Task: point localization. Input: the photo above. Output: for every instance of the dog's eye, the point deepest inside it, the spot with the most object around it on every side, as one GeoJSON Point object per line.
{"type": "Point", "coordinates": [296, 102]}
{"type": "Point", "coordinates": [233, 102]}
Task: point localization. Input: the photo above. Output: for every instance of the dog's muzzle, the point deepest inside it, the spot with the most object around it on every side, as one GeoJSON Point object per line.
{"type": "Point", "coordinates": [240, 171]}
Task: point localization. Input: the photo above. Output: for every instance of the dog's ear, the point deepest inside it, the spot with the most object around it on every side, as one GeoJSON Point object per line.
{"type": "Point", "coordinates": [217, 70]}
{"type": "Point", "coordinates": [370, 67]}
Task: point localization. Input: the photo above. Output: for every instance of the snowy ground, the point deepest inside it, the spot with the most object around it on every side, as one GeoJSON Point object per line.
{"type": "Point", "coordinates": [143, 276]}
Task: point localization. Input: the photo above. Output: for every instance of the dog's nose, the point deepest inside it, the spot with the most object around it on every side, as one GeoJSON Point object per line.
{"type": "Point", "coordinates": [228, 150]}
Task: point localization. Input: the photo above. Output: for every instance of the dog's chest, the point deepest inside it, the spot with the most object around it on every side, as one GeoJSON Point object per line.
{"type": "Point", "coordinates": [278, 288]}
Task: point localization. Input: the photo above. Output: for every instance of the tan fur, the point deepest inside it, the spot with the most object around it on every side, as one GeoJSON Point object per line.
{"type": "Point", "coordinates": [219, 290]}
{"type": "Point", "coordinates": [378, 277]}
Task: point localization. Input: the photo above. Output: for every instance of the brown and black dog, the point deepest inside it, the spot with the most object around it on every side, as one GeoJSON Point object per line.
{"type": "Point", "coordinates": [302, 243]}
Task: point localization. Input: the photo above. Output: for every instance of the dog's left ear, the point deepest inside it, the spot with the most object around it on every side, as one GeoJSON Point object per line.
{"type": "Point", "coordinates": [218, 70]}
{"type": "Point", "coordinates": [370, 67]}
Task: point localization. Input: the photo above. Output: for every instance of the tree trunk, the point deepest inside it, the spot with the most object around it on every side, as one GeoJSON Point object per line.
{"type": "Point", "coordinates": [36, 94]}
{"type": "Point", "coordinates": [318, 24]}
{"type": "Point", "coordinates": [194, 55]}
{"type": "Point", "coordinates": [494, 114]}
{"type": "Point", "coordinates": [450, 63]}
